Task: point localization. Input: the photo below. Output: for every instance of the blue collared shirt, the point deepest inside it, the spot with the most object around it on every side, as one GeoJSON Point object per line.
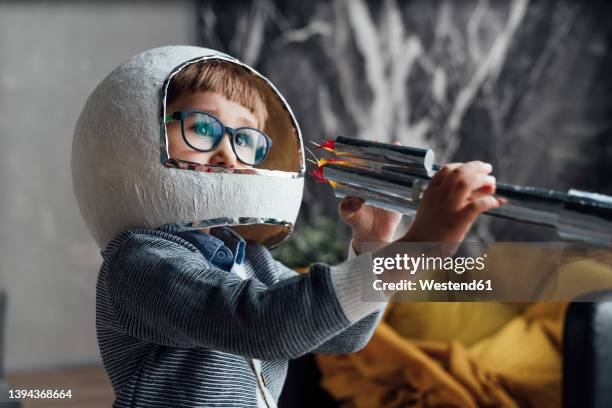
{"type": "Point", "coordinates": [222, 247]}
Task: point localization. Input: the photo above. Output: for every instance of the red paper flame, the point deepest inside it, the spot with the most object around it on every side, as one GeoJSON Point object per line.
{"type": "Point", "coordinates": [318, 175]}
{"type": "Point", "coordinates": [329, 145]}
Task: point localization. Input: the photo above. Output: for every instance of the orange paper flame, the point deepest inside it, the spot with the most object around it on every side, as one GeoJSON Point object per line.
{"type": "Point", "coordinates": [322, 162]}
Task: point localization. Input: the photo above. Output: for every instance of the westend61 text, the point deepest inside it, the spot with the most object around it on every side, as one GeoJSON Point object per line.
{"type": "Point", "coordinates": [433, 285]}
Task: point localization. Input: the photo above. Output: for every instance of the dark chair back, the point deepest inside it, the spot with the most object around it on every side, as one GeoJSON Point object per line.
{"type": "Point", "coordinates": [587, 352]}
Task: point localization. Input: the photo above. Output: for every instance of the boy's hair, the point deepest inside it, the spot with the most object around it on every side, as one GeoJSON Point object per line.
{"type": "Point", "coordinates": [226, 78]}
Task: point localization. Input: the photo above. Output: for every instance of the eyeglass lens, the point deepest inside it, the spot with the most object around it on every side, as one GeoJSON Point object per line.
{"type": "Point", "coordinates": [203, 132]}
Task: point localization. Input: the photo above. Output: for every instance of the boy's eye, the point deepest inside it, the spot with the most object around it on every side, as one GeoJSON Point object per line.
{"type": "Point", "coordinates": [244, 139]}
{"type": "Point", "coordinates": [203, 129]}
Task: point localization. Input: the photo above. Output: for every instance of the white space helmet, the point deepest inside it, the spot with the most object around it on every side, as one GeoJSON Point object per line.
{"type": "Point", "coordinates": [120, 147]}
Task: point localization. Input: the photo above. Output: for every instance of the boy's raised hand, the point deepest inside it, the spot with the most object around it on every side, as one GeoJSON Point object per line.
{"type": "Point", "coordinates": [369, 224]}
{"type": "Point", "coordinates": [455, 197]}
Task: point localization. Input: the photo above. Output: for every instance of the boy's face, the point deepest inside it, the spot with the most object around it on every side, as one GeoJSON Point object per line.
{"type": "Point", "coordinates": [230, 113]}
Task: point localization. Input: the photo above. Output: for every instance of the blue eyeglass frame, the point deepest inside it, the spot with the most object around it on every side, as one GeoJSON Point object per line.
{"type": "Point", "coordinates": [232, 132]}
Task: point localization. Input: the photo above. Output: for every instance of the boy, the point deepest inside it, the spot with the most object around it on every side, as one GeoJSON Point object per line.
{"type": "Point", "coordinates": [189, 312]}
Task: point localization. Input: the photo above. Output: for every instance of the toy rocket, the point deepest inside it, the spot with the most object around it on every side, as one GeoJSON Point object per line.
{"type": "Point", "coordinates": [395, 177]}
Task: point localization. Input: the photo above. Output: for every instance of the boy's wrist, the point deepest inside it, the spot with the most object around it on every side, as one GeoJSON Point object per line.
{"type": "Point", "coordinates": [348, 280]}
{"type": "Point", "coordinates": [353, 250]}
{"type": "Point", "coordinates": [357, 244]}
{"type": "Point", "coordinates": [359, 240]}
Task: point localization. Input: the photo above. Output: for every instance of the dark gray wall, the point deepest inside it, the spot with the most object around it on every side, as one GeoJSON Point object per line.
{"type": "Point", "coordinates": [524, 85]}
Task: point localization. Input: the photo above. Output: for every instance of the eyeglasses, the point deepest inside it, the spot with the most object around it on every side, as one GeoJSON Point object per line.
{"type": "Point", "coordinates": [203, 132]}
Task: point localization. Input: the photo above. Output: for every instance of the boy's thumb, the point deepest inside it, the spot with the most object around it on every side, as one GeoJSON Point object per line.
{"type": "Point", "coordinates": [349, 206]}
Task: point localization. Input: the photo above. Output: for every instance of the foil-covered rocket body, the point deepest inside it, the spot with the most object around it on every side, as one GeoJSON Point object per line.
{"type": "Point", "coordinates": [395, 178]}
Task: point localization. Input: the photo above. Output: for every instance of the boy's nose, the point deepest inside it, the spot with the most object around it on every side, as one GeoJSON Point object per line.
{"type": "Point", "coordinates": [224, 155]}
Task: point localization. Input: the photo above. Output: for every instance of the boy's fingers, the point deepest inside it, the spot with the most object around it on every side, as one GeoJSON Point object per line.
{"type": "Point", "coordinates": [477, 207]}
{"type": "Point", "coordinates": [463, 172]}
{"type": "Point", "coordinates": [349, 206]}
{"type": "Point", "coordinates": [481, 166]}
{"type": "Point", "coordinates": [441, 175]}
{"type": "Point", "coordinates": [485, 191]}
{"type": "Point", "coordinates": [464, 189]}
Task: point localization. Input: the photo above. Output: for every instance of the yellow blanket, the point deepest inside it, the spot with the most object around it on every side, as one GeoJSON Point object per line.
{"type": "Point", "coordinates": [459, 355]}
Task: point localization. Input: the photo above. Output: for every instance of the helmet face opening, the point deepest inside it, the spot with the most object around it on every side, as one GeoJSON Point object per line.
{"type": "Point", "coordinates": [286, 151]}
{"type": "Point", "coordinates": [123, 122]}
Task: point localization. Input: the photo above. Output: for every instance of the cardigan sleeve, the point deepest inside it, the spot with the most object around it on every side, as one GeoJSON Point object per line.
{"type": "Point", "coordinates": [358, 333]}
{"type": "Point", "coordinates": [165, 292]}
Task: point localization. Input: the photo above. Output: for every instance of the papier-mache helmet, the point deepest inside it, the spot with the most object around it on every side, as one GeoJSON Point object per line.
{"type": "Point", "coordinates": [120, 155]}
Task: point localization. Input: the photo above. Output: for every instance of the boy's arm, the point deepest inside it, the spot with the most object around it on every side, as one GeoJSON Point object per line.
{"type": "Point", "coordinates": [454, 198]}
{"type": "Point", "coordinates": [358, 334]}
{"type": "Point", "coordinates": [164, 292]}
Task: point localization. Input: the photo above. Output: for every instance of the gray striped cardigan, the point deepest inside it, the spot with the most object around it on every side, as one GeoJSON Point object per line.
{"type": "Point", "coordinates": [176, 328]}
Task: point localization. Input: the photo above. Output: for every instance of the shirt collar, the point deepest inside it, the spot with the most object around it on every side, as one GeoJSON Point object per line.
{"type": "Point", "coordinates": [232, 240]}
{"type": "Point", "coordinates": [222, 247]}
